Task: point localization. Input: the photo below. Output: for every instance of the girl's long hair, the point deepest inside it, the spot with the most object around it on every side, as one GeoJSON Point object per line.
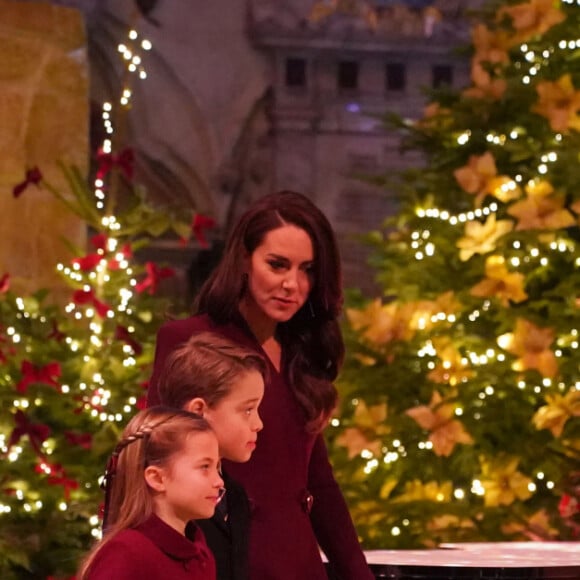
{"type": "Point", "coordinates": [312, 344]}
{"type": "Point", "coordinates": [206, 366]}
{"type": "Point", "coordinates": [152, 437]}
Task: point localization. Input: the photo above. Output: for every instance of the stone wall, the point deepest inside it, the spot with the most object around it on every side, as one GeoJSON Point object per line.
{"type": "Point", "coordinates": [43, 120]}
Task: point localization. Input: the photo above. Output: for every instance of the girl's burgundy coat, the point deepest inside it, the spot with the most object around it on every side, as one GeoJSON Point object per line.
{"type": "Point", "coordinates": [154, 551]}
{"type": "Point", "coordinates": [287, 464]}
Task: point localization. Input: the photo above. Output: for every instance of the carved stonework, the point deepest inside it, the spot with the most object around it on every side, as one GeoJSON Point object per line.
{"type": "Point", "coordinates": [364, 19]}
{"type": "Point", "coordinates": [43, 120]}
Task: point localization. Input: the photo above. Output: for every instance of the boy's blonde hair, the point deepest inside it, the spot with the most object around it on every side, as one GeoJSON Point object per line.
{"type": "Point", "coordinates": [206, 366]}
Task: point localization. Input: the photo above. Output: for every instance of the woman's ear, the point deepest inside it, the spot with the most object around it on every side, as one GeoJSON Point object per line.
{"type": "Point", "coordinates": [155, 478]}
{"type": "Point", "coordinates": [197, 406]}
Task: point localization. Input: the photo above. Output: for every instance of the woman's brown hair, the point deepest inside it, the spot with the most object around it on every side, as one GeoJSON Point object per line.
{"type": "Point", "coordinates": [312, 344]}
{"type": "Point", "coordinates": [206, 366]}
{"type": "Point", "coordinates": [153, 437]}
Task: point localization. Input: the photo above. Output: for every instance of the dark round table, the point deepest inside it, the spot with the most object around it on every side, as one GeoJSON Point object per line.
{"type": "Point", "coordinates": [480, 561]}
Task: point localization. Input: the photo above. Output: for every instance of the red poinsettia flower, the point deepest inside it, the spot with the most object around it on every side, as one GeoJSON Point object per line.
{"type": "Point", "coordinates": [124, 161]}
{"type": "Point", "coordinates": [37, 432]}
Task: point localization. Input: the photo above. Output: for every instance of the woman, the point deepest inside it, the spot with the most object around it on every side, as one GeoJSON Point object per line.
{"type": "Point", "coordinates": [278, 290]}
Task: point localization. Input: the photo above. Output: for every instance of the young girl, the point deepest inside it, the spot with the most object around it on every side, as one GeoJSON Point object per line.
{"type": "Point", "coordinates": [214, 377]}
{"type": "Point", "coordinates": [162, 474]}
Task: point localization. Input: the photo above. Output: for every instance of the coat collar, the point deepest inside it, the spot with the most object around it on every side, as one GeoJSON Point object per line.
{"type": "Point", "coordinates": [173, 543]}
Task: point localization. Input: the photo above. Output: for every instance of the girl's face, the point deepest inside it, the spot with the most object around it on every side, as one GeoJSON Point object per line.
{"type": "Point", "coordinates": [280, 274]}
{"type": "Point", "coordinates": [235, 419]}
{"type": "Point", "coordinates": [188, 488]}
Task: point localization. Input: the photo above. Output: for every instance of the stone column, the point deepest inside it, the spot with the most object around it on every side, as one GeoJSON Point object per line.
{"type": "Point", "coordinates": [43, 120]}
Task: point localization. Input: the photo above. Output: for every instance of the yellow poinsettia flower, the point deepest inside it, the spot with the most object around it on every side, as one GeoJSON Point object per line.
{"type": "Point", "coordinates": [537, 528]}
{"type": "Point", "coordinates": [479, 177]}
{"type": "Point", "coordinates": [532, 345]}
{"type": "Point", "coordinates": [365, 360]}
{"type": "Point", "coordinates": [447, 303]}
{"type": "Point", "coordinates": [474, 176]}
{"type": "Point", "coordinates": [503, 188]}
{"type": "Point", "coordinates": [502, 482]}
{"type": "Point", "coordinates": [539, 188]}
{"type": "Point", "coordinates": [368, 429]}
{"type": "Point", "coordinates": [426, 313]}
{"type": "Point", "coordinates": [480, 238]}
{"type": "Point", "coordinates": [449, 522]}
{"type": "Point", "coordinates": [532, 18]}
{"type": "Point", "coordinates": [382, 324]}
{"type": "Point", "coordinates": [451, 369]}
{"type": "Point", "coordinates": [542, 209]}
{"type": "Point", "coordinates": [416, 490]}
{"type": "Point", "coordinates": [438, 419]}
{"type": "Point", "coordinates": [500, 283]}
{"type": "Point", "coordinates": [484, 86]}
{"type": "Point", "coordinates": [558, 410]}
{"type": "Point", "coordinates": [490, 46]}
{"type": "Point", "coordinates": [434, 116]}
{"type": "Point", "coordinates": [559, 102]}
{"type": "Point", "coordinates": [356, 441]}
{"type": "Point", "coordinates": [387, 488]}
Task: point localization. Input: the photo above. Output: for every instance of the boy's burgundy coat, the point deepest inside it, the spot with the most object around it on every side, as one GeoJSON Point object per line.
{"type": "Point", "coordinates": [286, 465]}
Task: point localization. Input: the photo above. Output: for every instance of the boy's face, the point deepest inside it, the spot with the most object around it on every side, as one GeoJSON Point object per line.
{"type": "Point", "coordinates": [235, 419]}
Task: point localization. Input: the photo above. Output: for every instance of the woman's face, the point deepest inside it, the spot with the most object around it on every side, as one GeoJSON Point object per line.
{"type": "Point", "coordinates": [280, 273]}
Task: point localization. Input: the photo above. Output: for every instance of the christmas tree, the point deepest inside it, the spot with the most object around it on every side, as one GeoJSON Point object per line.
{"type": "Point", "coordinates": [72, 375]}
{"type": "Point", "coordinates": [460, 416]}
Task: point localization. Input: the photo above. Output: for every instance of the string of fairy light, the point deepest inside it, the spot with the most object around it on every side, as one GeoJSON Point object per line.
{"type": "Point", "coordinates": [424, 248]}
{"type": "Point", "coordinates": [132, 51]}
{"type": "Point", "coordinates": [98, 395]}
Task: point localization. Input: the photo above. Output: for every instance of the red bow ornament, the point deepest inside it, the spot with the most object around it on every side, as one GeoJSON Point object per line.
{"type": "Point", "coordinates": [81, 297]}
{"type": "Point", "coordinates": [88, 262]}
{"type": "Point", "coordinates": [126, 252]}
{"type": "Point", "coordinates": [154, 275]}
{"type": "Point", "coordinates": [121, 333]}
{"type": "Point", "coordinates": [33, 177]}
{"type": "Point", "coordinates": [124, 161]}
{"type": "Point", "coordinates": [55, 333]}
{"type": "Point", "coordinates": [84, 440]}
{"type": "Point", "coordinates": [99, 241]}
{"type": "Point", "coordinates": [46, 375]}
{"type": "Point", "coordinates": [200, 224]}
{"type": "Point", "coordinates": [57, 476]}
{"type": "Point", "coordinates": [37, 432]}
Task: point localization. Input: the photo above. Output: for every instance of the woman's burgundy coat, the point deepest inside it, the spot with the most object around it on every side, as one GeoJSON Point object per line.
{"type": "Point", "coordinates": [288, 463]}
